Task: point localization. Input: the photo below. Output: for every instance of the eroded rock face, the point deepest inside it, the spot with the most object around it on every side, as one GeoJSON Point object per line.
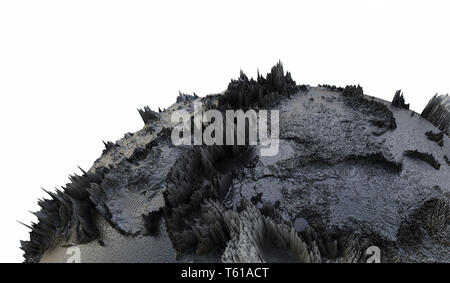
{"type": "Point", "coordinates": [352, 172]}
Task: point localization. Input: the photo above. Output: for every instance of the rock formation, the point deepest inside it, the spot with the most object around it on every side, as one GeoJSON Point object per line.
{"type": "Point", "coordinates": [438, 112]}
{"type": "Point", "coordinates": [399, 100]}
{"type": "Point", "coordinates": [352, 172]}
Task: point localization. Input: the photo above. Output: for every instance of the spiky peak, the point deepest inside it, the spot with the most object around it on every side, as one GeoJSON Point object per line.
{"type": "Point", "coordinates": [399, 100]}
{"type": "Point", "coordinates": [147, 114]}
{"type": "Point", "coordinates": [68, 212]}
{"type": "Point", "coordinates": [245, 92]}
{"type": "Point", "coordinates": [382, 117]}
{"type": "Point", "coordinates": [437, 112]}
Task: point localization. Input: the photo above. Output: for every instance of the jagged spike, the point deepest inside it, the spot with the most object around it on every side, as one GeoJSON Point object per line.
{"type": "Point", "coordinates": [29, 227]}
{"type": "Point", "coordinates": [437, 112]}
{"type": "Point", "coordinates": [81, 169]}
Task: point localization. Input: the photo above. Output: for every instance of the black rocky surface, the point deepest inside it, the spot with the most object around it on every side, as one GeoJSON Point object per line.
{"type": "Point", "coordinates": [352, 172]}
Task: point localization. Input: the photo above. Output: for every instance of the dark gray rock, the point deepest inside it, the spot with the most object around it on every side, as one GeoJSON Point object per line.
{"type": "Point", "coordinates": [438, 112]}
{"type": "Point", "coordinates": [147, 114]}
{"type": "Point", "coordinates": [352, 172]}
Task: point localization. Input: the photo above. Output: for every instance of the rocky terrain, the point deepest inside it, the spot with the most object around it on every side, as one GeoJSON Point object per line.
{"type": "Point", "coordinates": [352, 172]}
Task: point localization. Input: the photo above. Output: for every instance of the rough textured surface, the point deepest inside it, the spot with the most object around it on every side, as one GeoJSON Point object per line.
{"type": "Point", "coordinates": [438, 112]}
{"type": "Point", "coordinates": [352, 172]}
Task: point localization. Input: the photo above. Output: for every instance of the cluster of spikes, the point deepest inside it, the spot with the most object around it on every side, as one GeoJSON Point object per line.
{"type": "Point", "coordinates": [244, 92]}
{"type": "Point", "coordinates": [399, 100]}
{"type": "Point", "coordinates": [353, 91]}
{"type": "Point", "coordinates": [332, 87]}
{"type": "Point", "coordinates": [430, 219]}
{"type": "Point", "coordinates": [427, 157]}
{"type": "Point", "coordinates": [436, 137]}
{"type": "Point", "coordinates": [438, 113]}
{"type": "Point", "coordinates": [68, 214]}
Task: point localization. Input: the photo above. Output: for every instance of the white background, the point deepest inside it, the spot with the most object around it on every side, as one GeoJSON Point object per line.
{"type": "Point", "coordinates": [72, 73]}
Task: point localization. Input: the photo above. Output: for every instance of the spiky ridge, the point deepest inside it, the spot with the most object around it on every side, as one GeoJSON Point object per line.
{"type": "Point", "coordinates": [148, 115]}
{"type": "Point", "coordinates": [244, 93]}
{"type": "Point", "coordinates": [430, 219]}
{"type": "Point", "coordinates": [68, 215]}
{"type": "Point", "coordinates": [399, 100]}
{"type": "Point", "coordinates": [447, 160]}
{"type": "Point", "coordinates": [382, 116]}
{"type": "Point", "coordinates": [437, 112]}
{"type": "Point", "coordinates": [332, 87]}
{"type": "Point", "coordinates": [186, 193]}
{"type": "Point", "coordinates": [436, 137]}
